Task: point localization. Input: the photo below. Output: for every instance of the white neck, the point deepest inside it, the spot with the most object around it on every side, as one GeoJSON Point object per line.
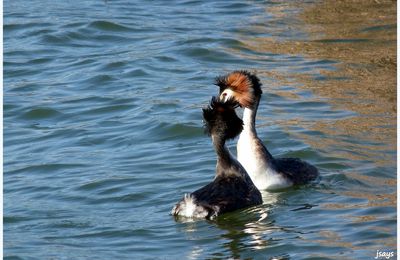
{"type": "Point", "coordinates": [254, 156]}
{"type": "Point", "coordinates": [248, 142]}
{"type": "Point", "coordinates": [249, 120]}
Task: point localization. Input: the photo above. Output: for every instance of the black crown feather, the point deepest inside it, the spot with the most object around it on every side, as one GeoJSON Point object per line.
{"type": "Point", "coordinates": [220, 119]}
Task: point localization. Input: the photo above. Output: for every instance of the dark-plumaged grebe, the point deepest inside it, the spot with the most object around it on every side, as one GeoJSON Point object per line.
{"type": "Point", "coordinates": [267, 172]}
{"type": "Point", "coordinates": [232, 188]}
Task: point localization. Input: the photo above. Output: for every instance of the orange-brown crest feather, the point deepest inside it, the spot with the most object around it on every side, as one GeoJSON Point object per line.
{"type": "Point", "coordinates": [244, 85]}
{"type": "Point", "coordinates": [241, 84]}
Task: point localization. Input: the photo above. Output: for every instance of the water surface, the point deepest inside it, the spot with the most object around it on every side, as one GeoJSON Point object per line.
{"type": "Point", "coordinates": [103, 134]}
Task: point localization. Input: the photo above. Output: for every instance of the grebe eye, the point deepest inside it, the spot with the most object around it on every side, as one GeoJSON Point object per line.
{"type": "Point", "coordinates": [224, 94]}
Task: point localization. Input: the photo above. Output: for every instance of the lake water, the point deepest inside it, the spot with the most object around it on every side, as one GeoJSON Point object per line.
{"type": "Point", "coordinates": [103, 134]}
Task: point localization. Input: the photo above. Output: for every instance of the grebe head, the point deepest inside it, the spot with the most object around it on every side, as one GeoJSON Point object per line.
{"type": "Point", "coordinates": [242, 86]}
{"type": "Point", "coordinates": [221, 120]}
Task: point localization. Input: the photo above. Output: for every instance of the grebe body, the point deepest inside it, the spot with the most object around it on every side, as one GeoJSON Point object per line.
{"type": "Point", "coordinates": [267, 172]}
{"type": "Point", "coordinates": [232, 188]}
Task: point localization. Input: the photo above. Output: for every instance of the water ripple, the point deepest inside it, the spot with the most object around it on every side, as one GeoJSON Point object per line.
{"type": "Point", "coordinates": [103, 133]}
{"type": "Point", "coordinates": [109, 26]}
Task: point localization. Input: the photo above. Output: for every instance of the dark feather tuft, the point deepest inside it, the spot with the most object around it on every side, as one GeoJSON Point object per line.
{"type": "Point", "coordinates": [220, 119]}
{"type": "Point", "coordinates": [220, 81]}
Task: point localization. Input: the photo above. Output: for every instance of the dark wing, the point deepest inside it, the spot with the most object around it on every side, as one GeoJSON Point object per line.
{"type": "Point", "coordinates": [296, 170]}
{"type": "Point", "coordinates": [228, 194]}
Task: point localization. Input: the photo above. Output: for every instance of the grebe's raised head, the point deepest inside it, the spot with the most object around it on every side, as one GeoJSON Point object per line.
{"type": "Point", "coordinates": [242, 86]}
{"type": "Point", "coordinates": [221, 120]}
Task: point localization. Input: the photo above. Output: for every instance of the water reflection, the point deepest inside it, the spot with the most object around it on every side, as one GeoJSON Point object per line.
{"type": "Point", "coordinates": [195, 253]}
{"type": "Point", "coordinates": [247, 229]}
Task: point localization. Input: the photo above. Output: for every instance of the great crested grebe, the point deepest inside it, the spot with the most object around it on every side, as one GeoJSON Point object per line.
{"type": "Point", "coordinates": [267, 172]}
{"type": "Point", "coordinates": [232, 188]}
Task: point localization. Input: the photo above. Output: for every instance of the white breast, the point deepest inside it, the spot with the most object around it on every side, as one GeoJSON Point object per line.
{"type": "Point", "coordinates": [263, 176]}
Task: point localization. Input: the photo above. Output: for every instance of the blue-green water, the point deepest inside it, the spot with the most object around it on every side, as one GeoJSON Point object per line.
{"type": "Point", "coordinates": [103, 134]}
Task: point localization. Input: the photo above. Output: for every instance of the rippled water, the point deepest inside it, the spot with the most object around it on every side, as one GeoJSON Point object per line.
{"type": "Point", "coordinates": [103, 134]}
